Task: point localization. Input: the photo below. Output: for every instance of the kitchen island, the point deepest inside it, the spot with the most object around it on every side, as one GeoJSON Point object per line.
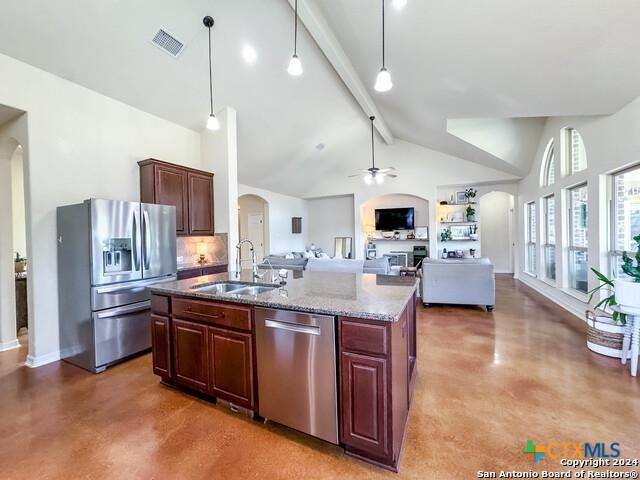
{"type": "Point", "coordinates": [209, 335]}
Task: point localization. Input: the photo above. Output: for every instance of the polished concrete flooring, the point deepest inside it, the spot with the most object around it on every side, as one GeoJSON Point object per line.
{"type": "Point", "coordinates": [487, 382]}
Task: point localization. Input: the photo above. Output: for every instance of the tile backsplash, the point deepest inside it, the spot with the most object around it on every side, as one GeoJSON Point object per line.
{"type": "Point", "coordinates": [187, 248]}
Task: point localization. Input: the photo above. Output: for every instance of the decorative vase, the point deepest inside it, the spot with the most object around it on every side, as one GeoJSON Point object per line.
{"type": "Point", "coordinates": [627, 293]}
{"type": "Point", "coordinates": [473, 236]}
{"type": "Point", "coordinates": [19, 266]}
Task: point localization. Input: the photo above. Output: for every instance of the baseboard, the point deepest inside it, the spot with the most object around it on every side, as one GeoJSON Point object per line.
{"type": "Point", "coordinates": [558, 297]}
{"type": "Point", "coordinates": [35, 362]}
{"type": "Point", "coordinates": [10, 345]}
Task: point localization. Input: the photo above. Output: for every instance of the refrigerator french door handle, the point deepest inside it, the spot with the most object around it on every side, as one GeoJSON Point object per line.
{"type": "Point", "coordinates": [147, 238]}
{"type": "Point", "coordinates": [134, 228]}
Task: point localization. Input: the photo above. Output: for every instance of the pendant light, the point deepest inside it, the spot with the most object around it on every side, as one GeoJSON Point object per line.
{"type": "Point", "coordinates": [383, 80]}
{"type": "Point", "coordinates": [295, 65]}
{"type": "Point", "coordinates": [212, 121]}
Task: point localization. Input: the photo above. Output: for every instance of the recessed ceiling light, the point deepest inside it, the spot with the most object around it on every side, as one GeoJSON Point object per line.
{"type": "Point", "coordinates": [249, 54]}
{"type": "Point", "coordinates": [320, 146]}
{"type": "Point", "coordinates": [399, 4]}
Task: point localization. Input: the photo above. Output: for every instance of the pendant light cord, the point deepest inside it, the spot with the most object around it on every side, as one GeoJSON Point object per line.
{"type": "Point", "coordinates": [210, 74]}
{"type": "Point", "coordinates": [383, 64]}
{"type": "Point", "coordinates": [373, 150]}
{"type": "Point", "coordinates": [295, 30]}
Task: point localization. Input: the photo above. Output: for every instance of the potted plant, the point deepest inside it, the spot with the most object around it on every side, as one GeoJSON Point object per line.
{"type": "Point", "coordinates": [473, 232]}
{"type": "Point", "coordinates": [445, 234]}
{"type": "Point", "coordinates": [471, 214]}
{"type": "Point", "coordinates": [470, 194]}
{"type": "Point", "coordinates": [605, 333]}
{"type": "Point", "coordinates": [20, 263]}
{"type": "Point", "coordinates": [628, 290]}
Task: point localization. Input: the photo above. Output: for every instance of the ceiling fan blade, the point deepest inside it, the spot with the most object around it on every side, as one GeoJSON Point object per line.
{"type": "Point", "coordinates": [386, 169]}
{"type": "Point", "coordinates": [356, 175]}
{"type": "Point", "coordinates": [391, 175]}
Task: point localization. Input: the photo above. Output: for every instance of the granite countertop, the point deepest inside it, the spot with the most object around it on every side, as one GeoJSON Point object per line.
{"type": "Point", "coordinates": [189, 266]}
{"type": "Point", "coordinates": [363, 295]}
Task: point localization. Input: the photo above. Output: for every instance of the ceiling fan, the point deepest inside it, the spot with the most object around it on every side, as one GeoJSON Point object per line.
{"type": "Point", "coordinates": [374, 174]}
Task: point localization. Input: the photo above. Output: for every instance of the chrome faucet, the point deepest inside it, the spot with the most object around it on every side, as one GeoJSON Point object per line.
{"type": "Point", "coordinates": [254, 262]}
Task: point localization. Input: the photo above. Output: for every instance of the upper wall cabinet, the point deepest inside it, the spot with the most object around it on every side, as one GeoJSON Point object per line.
{"type": "Point", "coordinates": [189, 190]}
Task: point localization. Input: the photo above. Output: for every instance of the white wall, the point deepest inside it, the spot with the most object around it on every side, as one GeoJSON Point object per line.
{"type": "Point", "coordinates": [496, 227]}
{"type": "Point", "coordinates": [329, 218]}
{"type": "Point", "coordinates": [219, 152]}
{"type": "Point", "coordinates": [281, 209]}
{"type": "Point", "coordinates": [81, 144]}
{"type": "Point", "coordinates": [420, 172]}
{"type": "Point", "coordinates": [18, 214]}
{"type": "Point", "coordinates": [612, 142]}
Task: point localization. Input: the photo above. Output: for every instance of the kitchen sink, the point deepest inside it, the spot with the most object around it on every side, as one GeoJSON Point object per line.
{"type": "Point", "coordinates": [235, 288]}
{"type": "Point", "coordinates": [219, 287]}
{"type": "Point", "coordinates": [253, 290]}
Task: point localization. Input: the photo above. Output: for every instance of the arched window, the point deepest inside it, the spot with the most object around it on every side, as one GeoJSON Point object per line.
{"type": "Point", "coordinates": [548, 172]}
{"type": "Point", "coordinates": [576, 160]}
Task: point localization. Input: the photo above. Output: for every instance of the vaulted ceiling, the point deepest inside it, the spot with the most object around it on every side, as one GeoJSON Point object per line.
{"type": "Point", "coordinates": [471, 79]}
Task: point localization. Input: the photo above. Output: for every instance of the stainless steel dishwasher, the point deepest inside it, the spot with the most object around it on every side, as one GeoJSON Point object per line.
{"type": "Point", "coordinates": [296, 357]}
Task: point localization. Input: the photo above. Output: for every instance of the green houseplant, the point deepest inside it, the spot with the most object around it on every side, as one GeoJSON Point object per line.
{"type": "Point", "coordinates": [471, 213]}
{"type": "Point", "coordinates": [608, 286]}
{"type": "Point", "coordinates": [628, 289]}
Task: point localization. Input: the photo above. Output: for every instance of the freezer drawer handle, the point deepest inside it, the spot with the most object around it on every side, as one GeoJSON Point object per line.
{"type": "Point", "coordinates": [121, 311]}
{"type": "Point", "coordinates": [292, 327]}
{"type": "Point", "coordinates": [206, 315]}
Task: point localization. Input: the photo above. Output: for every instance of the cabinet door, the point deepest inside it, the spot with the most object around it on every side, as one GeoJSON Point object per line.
{"type": "Point", "coordinates": [160, 345]}
{"type": "Point", "coordinates": [200, 204]}
{"type": "Point", "coordinates": [231, 366]}
{"type": "Point", "coordinates": [190, 354]}
{"type": "Point", "coordinates": [171, 189]}
{"type": "Point", "coordinates": [364, 403]}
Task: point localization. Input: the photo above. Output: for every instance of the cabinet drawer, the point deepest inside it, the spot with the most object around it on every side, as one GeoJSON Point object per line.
{"type": "Point", "coordinates": [360, 337]}
{"type": "Point", "coordinates": [224, 315]}
{"type": "Point", "coordinates": [213, 269]}
{"type": "Point", "coordinates": [159, 304]}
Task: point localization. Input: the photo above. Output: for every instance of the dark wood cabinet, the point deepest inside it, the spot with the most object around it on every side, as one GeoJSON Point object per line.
{"type": "Point", "coordinates": [190, 357]}
{"type": "Point", "coordinates": [364, 403]}
{"type": "Point", "coordinates": [160, 345]}
{"type": "Point", "coordinates": [376, 370]}
{"type": "Point", "coordinates": [200, 203]}
{"type": "Point", "coordinates": [231, 366]}
{"type": "Point", "coordinates": [189, 190]}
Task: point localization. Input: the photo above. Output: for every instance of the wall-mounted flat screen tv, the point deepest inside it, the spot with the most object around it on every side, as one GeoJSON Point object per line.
{"type": "Point", "coordinates": [388, 219]}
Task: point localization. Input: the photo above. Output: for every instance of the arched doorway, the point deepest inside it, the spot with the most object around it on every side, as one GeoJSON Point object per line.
{"type": "Point", "coordinates": [368, 234]}
{"type": "Point", "coordinates": [13, 249]}
{"type": "Point", "coordinates": [253, 224]}
{"type": "Point", "coordinates": [497, 229]}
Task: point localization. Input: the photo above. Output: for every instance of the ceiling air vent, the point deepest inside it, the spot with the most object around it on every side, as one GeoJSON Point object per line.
{"type": "Point", "coordinates": [168, 43]}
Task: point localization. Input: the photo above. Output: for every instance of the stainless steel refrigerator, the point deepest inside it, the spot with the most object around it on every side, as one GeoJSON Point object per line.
{"type": "Point", "coordinates": [109, 252]}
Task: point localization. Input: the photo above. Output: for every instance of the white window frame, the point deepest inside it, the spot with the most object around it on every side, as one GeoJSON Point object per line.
{"type": "Point", "coordinates": [568, 151]}
{"type": "Point", "coordinates": [570, 247]}
{"type": "Point", "coordinates": [547, 167]}
{"type": "Point", "coordinates": [546, 243]}
{"type": "Point", "coordinates": [615, 255]}
{"type": "Point", "coordinates": [531, 243]}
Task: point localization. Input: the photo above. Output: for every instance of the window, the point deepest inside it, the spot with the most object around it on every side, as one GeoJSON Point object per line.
{"type": "Point", "coordinates": [625, 215]}
{"type": "Point", "coordinates": [549, 244]}
{"type": "Point", "coordinates": [531, 238]}
{"type": "Point", "coordinates": [548, 173]}
{"type": "Point", "coordinates": [576, 155]}
{"type": "Point", "coordinates": [578, 242]}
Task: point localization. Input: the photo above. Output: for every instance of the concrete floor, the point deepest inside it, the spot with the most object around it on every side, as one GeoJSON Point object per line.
{"type": "Point", "coordinates": [487, 382]}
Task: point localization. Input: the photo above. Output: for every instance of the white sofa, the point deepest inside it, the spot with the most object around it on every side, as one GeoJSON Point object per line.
{"type": "Point", "coordinates": [379, 266]}
{"type": "Point", "coordinates": [459, 281]}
